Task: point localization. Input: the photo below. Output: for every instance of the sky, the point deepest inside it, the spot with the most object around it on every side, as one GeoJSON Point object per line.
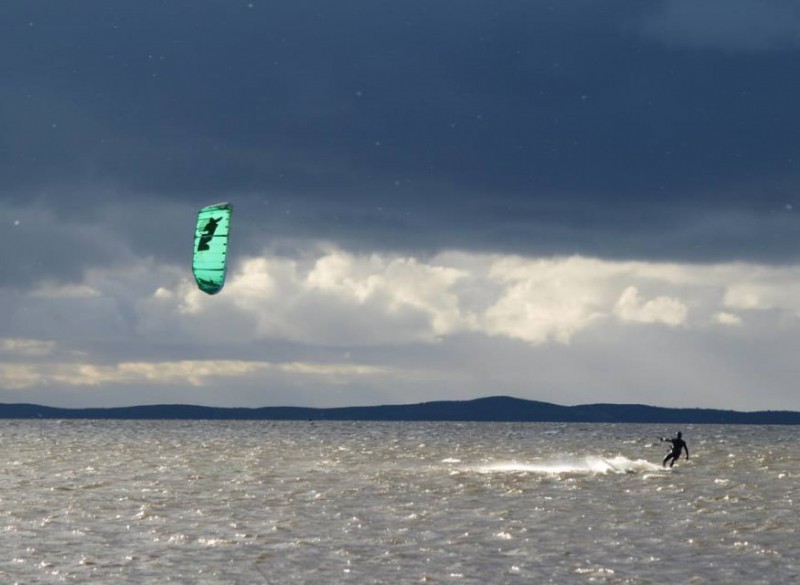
{"type": "Point", "coordinates": [583, 201]}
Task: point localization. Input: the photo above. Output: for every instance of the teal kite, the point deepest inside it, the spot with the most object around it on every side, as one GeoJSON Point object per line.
{"type": "Point", "coordinates": [211, 247]}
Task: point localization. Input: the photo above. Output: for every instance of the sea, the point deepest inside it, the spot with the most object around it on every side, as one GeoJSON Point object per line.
{"type": "Point", "coordinates": [251, 502]}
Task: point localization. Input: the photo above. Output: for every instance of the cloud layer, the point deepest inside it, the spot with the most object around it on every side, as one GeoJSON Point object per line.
{"type": "Point", "coordinates": [340, 298]}
{"type": "Point", "coordinates": [375, 325]}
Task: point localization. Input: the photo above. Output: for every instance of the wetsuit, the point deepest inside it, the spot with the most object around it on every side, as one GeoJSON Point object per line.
{"type": "Point", "coordinates": [678, 445]}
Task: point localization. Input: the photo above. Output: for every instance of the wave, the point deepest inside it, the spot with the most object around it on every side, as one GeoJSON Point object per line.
{"type": "Point", "coordinates": [589, 465]}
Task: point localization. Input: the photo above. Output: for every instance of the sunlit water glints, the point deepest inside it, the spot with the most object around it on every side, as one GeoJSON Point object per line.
{"type": "Point", "coordinates": [361, 502]}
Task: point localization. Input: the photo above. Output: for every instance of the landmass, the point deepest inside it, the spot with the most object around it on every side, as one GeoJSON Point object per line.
{"type": "Point", "coordinates": [490, 409]}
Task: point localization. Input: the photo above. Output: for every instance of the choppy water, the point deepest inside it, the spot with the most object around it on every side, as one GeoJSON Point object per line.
{"type": "Point", "coordinates": [287, 502]}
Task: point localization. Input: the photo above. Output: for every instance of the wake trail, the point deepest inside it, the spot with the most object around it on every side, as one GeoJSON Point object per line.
{"type": "Point", "coordinates": [589, 464]}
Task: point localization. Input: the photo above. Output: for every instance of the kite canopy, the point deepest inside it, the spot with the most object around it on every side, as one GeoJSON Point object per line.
{"type": "Point", "coordinates": [211, 247]}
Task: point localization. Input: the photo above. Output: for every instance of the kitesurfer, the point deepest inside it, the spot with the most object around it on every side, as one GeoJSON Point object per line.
{"type": "Point", "coordinates": [211, 226]}
{"type": "Point", "coordinates": [208, 232]}
{"type": "Point", "coordinates": [678, 445]}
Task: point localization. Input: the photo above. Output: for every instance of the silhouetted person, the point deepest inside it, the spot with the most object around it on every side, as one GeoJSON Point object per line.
{"type": "Point", "coordinates": [208, 233]}
{"type": "Point", "coordinates": [678, 445]}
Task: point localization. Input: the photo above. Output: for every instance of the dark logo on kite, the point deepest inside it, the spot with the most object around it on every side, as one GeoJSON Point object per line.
{"type": "Point", "coordinates": [208, 233]}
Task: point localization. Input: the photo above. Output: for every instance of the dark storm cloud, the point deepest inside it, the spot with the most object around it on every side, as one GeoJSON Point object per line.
{"type": "Point", "coordinates": [602, 128]}
{"type": "Point", "coordinates": [730, 25]}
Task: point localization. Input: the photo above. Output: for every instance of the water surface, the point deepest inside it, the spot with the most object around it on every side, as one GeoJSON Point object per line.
{"type": "Point", "coordinates": [336, 502]}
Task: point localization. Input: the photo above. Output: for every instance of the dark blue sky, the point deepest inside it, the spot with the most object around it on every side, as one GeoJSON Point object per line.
{"type": "Point", "coordinates": [535, 127]}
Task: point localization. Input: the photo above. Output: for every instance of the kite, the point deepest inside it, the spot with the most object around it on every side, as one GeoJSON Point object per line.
{"type": "Point", "coordinates": [211, 247]}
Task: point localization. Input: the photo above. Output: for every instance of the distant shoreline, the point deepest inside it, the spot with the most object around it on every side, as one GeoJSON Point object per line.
{"type": "Point", "coordinates": [490, 409]}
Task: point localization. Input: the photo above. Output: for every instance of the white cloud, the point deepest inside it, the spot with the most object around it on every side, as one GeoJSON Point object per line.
{"type": "Point", "coordinates": [17, 376]}
{"type": "Point", "coordinates": [399, 284]}
{"type": "Point", "coordinates": [335, 298]}
{"type": "Point", "coordinates": [26, 347]}
{"type": "Point", "coordinates": [745, 297]}
{"type": "Point", "coordinates": [764, 288]}
{"type": "Point", "coordinates": [50, 291]}
{"type": "Point", "coordinates": [342, 299]}
{"type": "Point", "coordinates": [666, 310]}
{"type": "Point", "coordinates": [339, 299]}
{"type": "Point", "coordinates": [193, 372]}
{"type": "Point", "coordinates": [725, 318]}
{"type": "Point", "coordinates": [546, 299]}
